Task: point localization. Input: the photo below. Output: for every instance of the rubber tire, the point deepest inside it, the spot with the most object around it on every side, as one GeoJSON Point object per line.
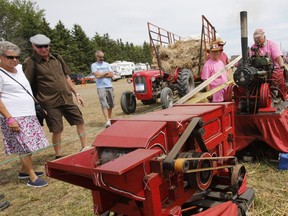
{"type": "Point", "coordinates": [185, 82]}
{"type": "Point", "coordinates": [167, 99]}
{"type": "Point", "coordinates": [128, 102]}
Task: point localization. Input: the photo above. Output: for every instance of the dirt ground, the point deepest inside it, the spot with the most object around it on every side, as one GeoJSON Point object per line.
{"type": "Point", "coordinates": [60, 198]}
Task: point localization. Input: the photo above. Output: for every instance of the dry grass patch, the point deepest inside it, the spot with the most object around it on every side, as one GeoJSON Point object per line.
{"type": "Point", "coordinates": [60, 198]}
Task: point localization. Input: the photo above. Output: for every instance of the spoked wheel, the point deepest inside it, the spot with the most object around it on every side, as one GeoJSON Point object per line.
{"type": "Point", "coordinates": [128, 102]}
{"type": "Point", "coordinates": [237, 177]}
{"type": "Point", "coordinates": [167, 99]}
{"type": "Point", "coordinates": [201, 180]}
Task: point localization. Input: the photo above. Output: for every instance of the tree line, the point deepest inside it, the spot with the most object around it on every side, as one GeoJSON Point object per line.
{"type": "Point", "coordinates": [21, 19]}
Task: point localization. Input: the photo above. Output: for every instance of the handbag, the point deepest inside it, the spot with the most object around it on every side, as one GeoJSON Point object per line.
{"type": "Point", "coordinates": [40, 112]}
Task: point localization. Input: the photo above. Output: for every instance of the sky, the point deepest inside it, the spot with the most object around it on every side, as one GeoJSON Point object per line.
{"type": "Point", "coordinates": [127, 19]}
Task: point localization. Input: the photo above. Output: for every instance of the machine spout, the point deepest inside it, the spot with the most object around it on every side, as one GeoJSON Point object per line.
{"type": "Point", "coordinates": [244, 37]}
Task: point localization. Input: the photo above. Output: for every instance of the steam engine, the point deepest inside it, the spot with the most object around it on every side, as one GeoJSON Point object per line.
{"type": "Point", "coordinates": [259, 86]}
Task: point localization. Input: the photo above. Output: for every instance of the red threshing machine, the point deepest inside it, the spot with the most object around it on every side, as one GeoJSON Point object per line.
{"type": "Point", "coordinates": [260, 99]}
{"type": "Point", "coordinates": [173, 162]}
{"type": "Point", "coordinates": [152, 84]}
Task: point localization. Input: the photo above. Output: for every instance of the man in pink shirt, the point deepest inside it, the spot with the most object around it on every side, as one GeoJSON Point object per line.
{"type": "Point", "coordinates": [270, 49]}
{"type": "Point", "coordinates": [267, 48]}
{"type": "Point", "coordinates": [212, 66]}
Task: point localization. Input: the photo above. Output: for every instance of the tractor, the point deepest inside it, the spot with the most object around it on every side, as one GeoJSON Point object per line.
{"type": "Point", "coordinates": [149, 85]}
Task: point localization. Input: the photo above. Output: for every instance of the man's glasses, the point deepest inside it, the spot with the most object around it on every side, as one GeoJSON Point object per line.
{"type": "Point", "coordinates": [12, 57]}
{"type": "Point", "coordinates": [42, 46]}
{"type": "Point", "coordinates": [101, 57]}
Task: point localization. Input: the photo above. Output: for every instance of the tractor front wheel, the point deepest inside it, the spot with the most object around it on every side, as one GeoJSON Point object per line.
{"type": "Point", "coordinates": [166, 98]}
{"type": "Point", "coordinates": [128, 102]}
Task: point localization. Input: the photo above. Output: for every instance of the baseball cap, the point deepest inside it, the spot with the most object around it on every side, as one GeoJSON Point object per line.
{"type": "Point", "coordinates": [258, 33]}
{"type": "Point", "coordinates": [40, 39]}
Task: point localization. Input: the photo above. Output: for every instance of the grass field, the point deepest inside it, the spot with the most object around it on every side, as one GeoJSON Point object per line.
{"type": "Point", "coordinates": [60, 198]}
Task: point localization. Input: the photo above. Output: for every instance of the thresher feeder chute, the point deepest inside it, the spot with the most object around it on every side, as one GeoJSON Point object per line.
{"type": "Point", "coordinates": [177, 161]}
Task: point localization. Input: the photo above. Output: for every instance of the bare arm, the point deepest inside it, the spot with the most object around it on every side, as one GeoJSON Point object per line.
{"type": "Point", "coordinates": [72, 87]}
{"type": "Point", "coordinates": [13, 125]}
{"type": "Point", "coordinates": [280, 61]}
{"type": "Point", "coordinates": [108, 74]}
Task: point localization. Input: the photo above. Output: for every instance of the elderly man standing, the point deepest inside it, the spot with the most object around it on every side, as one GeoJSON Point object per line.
{"type": "Point", "coordinates": [103, 74]}
{"type": "Point", "coordinates": [268, 48]}
{"type": "Point", "coordinates": [53, 88]}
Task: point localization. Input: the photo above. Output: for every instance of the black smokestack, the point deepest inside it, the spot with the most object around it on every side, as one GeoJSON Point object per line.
{"type": "Point", "coordinates": [244, 37]}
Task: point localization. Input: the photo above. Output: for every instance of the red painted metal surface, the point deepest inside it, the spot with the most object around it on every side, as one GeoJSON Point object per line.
{"type": "Point", "coordinates": [133, 180]}
{"type": "Point", "coordinates": [271, 128]}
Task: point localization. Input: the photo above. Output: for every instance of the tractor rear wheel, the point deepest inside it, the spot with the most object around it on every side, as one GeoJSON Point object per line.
{"type": "Point", "coordinates": [128, 102]}
{"type": "Point", "coordinates": [185, 82]}
{"type": "Point", "coordinates": [166, 98]}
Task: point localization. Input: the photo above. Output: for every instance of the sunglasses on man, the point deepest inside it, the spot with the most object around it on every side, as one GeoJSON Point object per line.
{"type": "Point", "coordinates": [42, 46]}
{"type": "Point", "coordinates": [12, 57]}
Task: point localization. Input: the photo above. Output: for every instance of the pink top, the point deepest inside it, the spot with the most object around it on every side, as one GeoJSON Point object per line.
{"type": "Point", "coordinates": [211, 67]}
{"type": "Point", "coordinates": [270, 49]}
{"type": "Point", "coordinates": [223, 57]}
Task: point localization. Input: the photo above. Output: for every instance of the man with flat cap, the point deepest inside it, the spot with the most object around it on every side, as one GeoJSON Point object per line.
{"type": "Point", "coordinates": [268, 48]}
{"type": "Point", "coordinates": [53, 88]}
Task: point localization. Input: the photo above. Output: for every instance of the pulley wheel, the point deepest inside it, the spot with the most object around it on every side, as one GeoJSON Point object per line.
{"type": "Point", "coordinates": [201, 180]}
{"type": "Point", "coordinates": [237, 177]}
{"type": "Point", "coordinates": [228, 96]}
{"type": "Point", "coordinates": [264, 95]}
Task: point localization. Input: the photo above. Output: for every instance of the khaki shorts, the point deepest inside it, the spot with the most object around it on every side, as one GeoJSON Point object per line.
{"type": "Point", "coordinates": [70, 112]}
{"type": "Point", "coordinates": [106, 97]}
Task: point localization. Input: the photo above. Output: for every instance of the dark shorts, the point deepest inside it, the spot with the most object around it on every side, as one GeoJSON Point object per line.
{"type": "Point", "coordinates": [106, 97]}
{"type": "Point", "coordinates": [70, 112]}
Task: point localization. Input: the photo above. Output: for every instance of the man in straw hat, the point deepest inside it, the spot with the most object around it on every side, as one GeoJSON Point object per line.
{"type": "Point", "coordinates": [212, 66]}
{"type": "Point", "coordinates": [270, 49]}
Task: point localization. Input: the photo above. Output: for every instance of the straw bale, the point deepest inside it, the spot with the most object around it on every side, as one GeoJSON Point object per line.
{"type": "Point", "coordinates": [184, 54]}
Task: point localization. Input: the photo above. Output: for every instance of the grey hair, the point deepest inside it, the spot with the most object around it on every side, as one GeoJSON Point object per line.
{"type": "Point", "coordinates": [98, 52]}
{"type": "Point", "coordinates": [6, 45]}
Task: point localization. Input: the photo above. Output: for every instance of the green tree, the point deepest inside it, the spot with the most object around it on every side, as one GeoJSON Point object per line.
{"type": "Point", "coordinates": [82, 49]}
{"type": "Point", "coordinates": [19, 20]}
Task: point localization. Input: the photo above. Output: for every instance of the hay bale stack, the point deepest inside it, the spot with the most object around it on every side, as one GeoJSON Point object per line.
{"type": "Point", "coordinates": [184, 54]}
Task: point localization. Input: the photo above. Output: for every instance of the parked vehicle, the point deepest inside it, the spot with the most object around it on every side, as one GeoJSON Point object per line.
{"type": "Point", "coordinates": [141, 66]}
{"type": "Point", "coordinates": [116, 76]}
{"type": "Point", "coordinates": [125, 68]}
{"type": "Point", "coordinates": [76, 78]}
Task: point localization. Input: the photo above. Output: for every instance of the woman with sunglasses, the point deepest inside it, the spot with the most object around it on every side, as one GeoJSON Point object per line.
{"type": "Point", "coordinates": [22, 132]}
